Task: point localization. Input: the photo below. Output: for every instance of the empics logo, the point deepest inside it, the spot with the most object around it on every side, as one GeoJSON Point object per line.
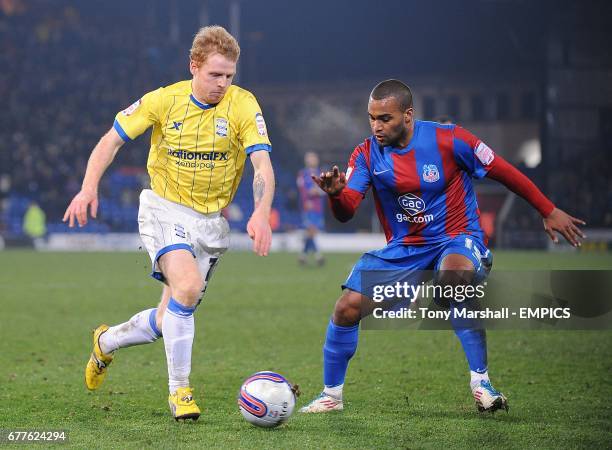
{"type": "Point", "coordinates": [413, 205]}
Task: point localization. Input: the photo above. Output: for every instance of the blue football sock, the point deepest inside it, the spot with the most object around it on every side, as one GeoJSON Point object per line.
{"type": "Point", "coordinates": [473, 338]}
{"type": "Point", "coordinates": [340, 346]}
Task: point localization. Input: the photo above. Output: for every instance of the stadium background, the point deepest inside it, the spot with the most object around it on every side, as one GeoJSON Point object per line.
{"type": "Point", "coordinates": [531, 78]}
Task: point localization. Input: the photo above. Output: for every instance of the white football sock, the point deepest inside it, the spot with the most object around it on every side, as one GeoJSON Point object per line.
{"type": "Point", "coordinates": [476, 378]}
{"type": "Point", "coordinates": [140, 329]}
{"type": "Point", "coordinates": [178, 327]}
{"type": "Point", "coordinates": [335, 391]}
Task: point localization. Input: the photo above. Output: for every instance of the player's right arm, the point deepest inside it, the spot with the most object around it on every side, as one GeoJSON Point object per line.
{"type": "Point", "coordinates": [346, 190]}
{"type": "Point", "coordinates": [87, 198]}
{"type": "Point", "coordinates": [129, 124]}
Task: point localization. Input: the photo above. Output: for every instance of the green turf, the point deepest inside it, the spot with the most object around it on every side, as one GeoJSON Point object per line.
{"type": "Point", "coordinates": [405, 389]}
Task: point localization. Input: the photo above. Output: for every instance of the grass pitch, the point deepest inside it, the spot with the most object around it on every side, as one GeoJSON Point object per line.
{"type": "Point", "coordinates": [405, 389]}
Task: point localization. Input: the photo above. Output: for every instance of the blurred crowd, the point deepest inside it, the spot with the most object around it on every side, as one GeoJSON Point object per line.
{"type": "Point", "coordinates": [64, 84]}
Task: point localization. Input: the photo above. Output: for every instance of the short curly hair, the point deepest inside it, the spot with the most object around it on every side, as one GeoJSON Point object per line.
{"type": "Point", "coordinates": [213, 39]}
{"type": "Point", "coordinates": [393, 88]}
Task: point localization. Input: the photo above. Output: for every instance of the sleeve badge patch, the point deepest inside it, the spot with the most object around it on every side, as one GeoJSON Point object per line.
{"type": "Point", "coordinates": [484, 154]}
{"type": "Point", "coordinates": [261, 124]}
{"type": "Point", "coordinates": [133, 107]}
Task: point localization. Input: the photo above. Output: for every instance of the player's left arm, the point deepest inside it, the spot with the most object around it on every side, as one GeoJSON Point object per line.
{"type": "Point", "coordinates": [253, 136]}
{"type": "Point", "coordinates": [475, 157]}
{"type": "Point", "coordinates": [258, 226]}
{"type": "Point", "coordinates": [555, 220]}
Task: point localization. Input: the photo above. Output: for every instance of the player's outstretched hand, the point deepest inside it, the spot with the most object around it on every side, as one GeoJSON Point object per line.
{"type": "Point", "coordinates": [332, 182]}
{"type": "Point", "coordinates": [260, 232]}
{"type": "Point", "coordinates": [84, 200]}
{"type": "Point", "coordinates": [561, 222]}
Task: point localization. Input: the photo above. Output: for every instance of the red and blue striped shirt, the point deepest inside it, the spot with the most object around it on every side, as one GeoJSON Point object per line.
{"type": "Point", "coordinates": [423, 192]}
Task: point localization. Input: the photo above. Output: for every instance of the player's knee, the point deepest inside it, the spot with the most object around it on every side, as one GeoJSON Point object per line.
{"type": "Point", "coordinates": [456, 270]}
{"type": "Point", "coordinates": [189, 291]}
{"type": "Point", "coordinates": [456, 277]}
{"type": "Point", "coordinates": [347, 311]}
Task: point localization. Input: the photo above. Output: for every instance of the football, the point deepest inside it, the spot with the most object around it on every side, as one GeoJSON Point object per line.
{"type": "Point", "coordinates": [266, 399]}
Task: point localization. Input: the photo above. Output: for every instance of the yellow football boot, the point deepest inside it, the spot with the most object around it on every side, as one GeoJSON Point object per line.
{"type": "Point", "coordinates": [182, 405]}
{"type": "Point", "coordinates": [95, 371]}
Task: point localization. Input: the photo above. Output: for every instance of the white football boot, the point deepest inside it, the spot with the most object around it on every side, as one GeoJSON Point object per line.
{"type": "Point", "coordinates": [323, 403]}
{"type": "Point", "coordinates": [488, 398]}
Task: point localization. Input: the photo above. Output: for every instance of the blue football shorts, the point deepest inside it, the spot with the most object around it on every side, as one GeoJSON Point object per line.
{"type": "Point", "coordinates": [397, 262]}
